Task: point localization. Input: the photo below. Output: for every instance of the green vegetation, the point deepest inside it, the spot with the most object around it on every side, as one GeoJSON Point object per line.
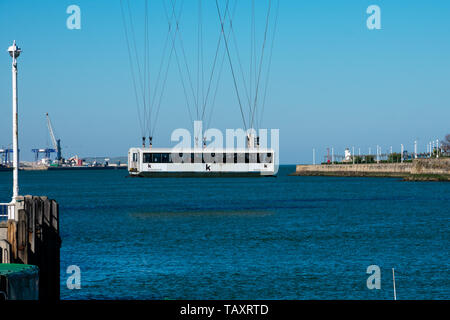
{"type": "Point", "coordinates": [427, 177]}
{"type": "Point", "coordinates": [364, 159]}
{"type": "Point", "coordinates": [395, 157]}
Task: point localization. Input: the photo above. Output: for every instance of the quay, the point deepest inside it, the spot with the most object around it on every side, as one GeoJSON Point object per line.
{"type": "Point", "coordinates": [30, 249]}
{"type": "Point", "coordinates": [416, 170]}
{"type": "Point", "coordinates": [72, 168]}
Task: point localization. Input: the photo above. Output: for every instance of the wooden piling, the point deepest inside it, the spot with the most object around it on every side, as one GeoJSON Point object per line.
{"type": "Point", "coordinates": [12, 238]}
{"type": "Point", "coordinates": [5, 251]}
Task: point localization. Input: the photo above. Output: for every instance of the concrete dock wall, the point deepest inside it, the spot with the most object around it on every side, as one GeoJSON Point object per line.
{"type": "Point", "coordinates": [396, 168]}
{"type": "Point", "coordinates": [417, 167]}
{"type": "Point", "coordinates": [431, 166]}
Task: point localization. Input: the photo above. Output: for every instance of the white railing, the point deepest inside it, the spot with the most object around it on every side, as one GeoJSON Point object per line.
{"type": "Point", "coordinates": [6, 211]}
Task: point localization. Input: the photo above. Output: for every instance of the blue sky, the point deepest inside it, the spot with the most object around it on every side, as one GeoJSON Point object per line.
{"type": "Point", "coordinates": [333, 81]}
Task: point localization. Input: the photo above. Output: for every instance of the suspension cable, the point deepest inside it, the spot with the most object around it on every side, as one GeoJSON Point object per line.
{"type": "Point", "coordinates": [133, 77]}
{"type": "Point", "coordinates": [185, 58]}
{"type": "Point", "coordinates": [220, 70]}
{"type": "Point", "coordinates": [138, 64]}
{"type": "Point", "coordinates": [153, 100]}
{"type": "Point", "coordinates": [219, 41]}
{"type": "Point", "coordinates": [261, 61]}
{"type": "Point", "coordinates": [252, 44]}
{"type": "Point", "coordinates": [198, 60]}
{"type": "Point", "coordinates": [270, 62]}
{"type": "Point", "coordinates": [146, 74]}
{"type": "Point", "coordinates": [173, 50]}
{"type": "Point", "coordinates": [231, 64]}
{"type": "Point", "coordinates": [241, 68]}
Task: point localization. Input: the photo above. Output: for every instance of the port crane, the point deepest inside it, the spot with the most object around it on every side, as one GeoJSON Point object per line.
{"type": "Point", "coordinates": [56, 144]}
{"type": "Point", "coordinates": [5, 156]}
{"type": "Point", "coordinates": [46, 151]}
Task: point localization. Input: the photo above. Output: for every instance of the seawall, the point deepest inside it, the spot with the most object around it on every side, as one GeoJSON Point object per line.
{"type": "Point", "coordinates": [418, 169]}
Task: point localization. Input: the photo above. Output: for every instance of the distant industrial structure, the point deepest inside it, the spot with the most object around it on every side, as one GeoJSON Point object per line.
{"type": "Point", "coordinates": [43, 160]}
{"type": "Point", "coordinates": [5, 158]}
{"type": "Point", "coordinates": [48, 151]}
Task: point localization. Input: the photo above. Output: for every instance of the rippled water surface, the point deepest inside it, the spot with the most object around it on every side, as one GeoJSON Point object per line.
{"type": "Point", "coordinates": [265, 238]}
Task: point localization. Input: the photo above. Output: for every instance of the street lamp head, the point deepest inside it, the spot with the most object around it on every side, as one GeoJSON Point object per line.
{"type": "Point", "coordinates": [14, 50]}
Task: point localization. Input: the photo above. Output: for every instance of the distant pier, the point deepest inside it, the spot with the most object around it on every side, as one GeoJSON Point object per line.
{"type": "Point", "coordinates": [71, 168]}
{"type": "Point", "coordinates": [416, 170]}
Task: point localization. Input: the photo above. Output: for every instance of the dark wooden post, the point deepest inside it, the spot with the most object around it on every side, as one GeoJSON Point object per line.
{"type": "Point", "coordinates": [22, 237]}
{"type": "Point", "coordinates": [5, 255]}
{"type": "Point", "coordinates": [12, 239]}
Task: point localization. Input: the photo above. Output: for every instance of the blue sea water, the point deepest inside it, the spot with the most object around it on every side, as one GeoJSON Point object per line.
{"type": "Point", "coordinates": [266, 238]}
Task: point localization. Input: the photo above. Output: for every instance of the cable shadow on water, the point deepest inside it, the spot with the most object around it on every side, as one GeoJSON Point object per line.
{"type": "Point", "coordinates": [202, 213]}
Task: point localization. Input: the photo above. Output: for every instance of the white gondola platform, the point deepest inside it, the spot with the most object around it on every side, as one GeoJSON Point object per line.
{"type": "Point", "coordinates": [158, 163]}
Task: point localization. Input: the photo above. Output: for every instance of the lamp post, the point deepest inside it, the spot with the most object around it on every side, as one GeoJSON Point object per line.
{"type": "Point", "coordinates": [353, 154]}
{"type": "Point", "coordinates": [392, 158]}
{"type": "Point", "coordinates": [378, 159]}
{"type": "Point", "coordinates": [14, 52]}
{"type": "Point", "coordinates": [402, 151]}
{"type": "Point", "coordinates": [437, 148]}
{"type": "Point", "coordinates": [415, 149]}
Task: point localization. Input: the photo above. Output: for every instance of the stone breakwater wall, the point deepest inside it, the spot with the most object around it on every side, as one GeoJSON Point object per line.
{"type": "Point", "coordinates": [431, 166]}
{"type": "Point", "coordinates": [417, 167]}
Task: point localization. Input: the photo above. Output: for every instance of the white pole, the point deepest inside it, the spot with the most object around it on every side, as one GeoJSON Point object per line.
{"type": "Point", "coordinates": [401, 155]}
{"type": "Point", "coordinates": [314, 156]}
{"type": "Point", "coordinates": [378, 159]}
{"type": "Point", "coordinates": [415, 149]}
{"type": "Point", "coordinates": [14, 51]}
{"type": "Point", "coordinates": [437, 148]}
{"type": "Point", "coordinates": [432, 149]}
{"type": "Point", "coordinates": [353, 154]}
{"type": "Point", "coordinates": [393, 278]}
{"type": "Point", "coordinates": [332, 155]}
